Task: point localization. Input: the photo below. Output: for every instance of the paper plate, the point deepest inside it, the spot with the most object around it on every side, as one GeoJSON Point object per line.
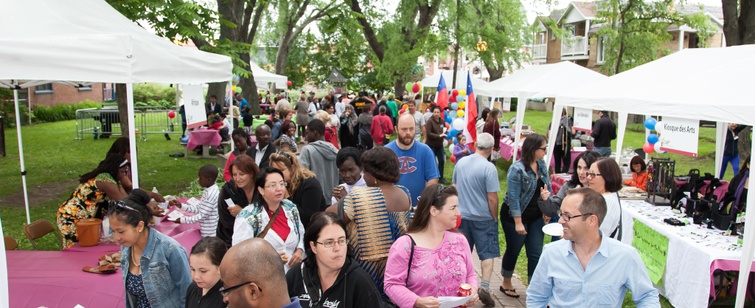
{"type": "Point", "coordinates": [554, 229]}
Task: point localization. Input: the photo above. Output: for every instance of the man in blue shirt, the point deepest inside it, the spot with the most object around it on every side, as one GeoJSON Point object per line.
{"type": "Point", "coordinates": [416, 160]}
{"type": "Point", "coordinates": [588, 269]}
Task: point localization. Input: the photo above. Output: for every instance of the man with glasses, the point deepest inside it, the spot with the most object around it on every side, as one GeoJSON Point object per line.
{"type": "Point", "coordinates": [252, 276]}
{"type": "Point", "coordinates": [588, 269]}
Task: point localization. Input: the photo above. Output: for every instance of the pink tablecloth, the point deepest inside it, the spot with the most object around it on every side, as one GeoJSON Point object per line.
{"type": "Point", "coordinates": [202, 136]}
{"type": "Point", "coordinates": [55, 278]}
{"type": "Point", "coordinates": [507, 151]}
{"type": "Point", "coordinates": [558, 180]}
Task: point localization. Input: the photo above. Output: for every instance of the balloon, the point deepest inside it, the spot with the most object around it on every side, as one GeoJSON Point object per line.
{"type": "Point", "coordinates": [451, 115]}
{"type": "Point", "coordinates": [415, 88]}
{"type": "Point", "coordinates": [463, 92]}
{"type": "Point", "coordinates": [454, 93]}
{"type": "Point", "coordinates": [657, 148]}
{"type": "Point", "coordinates": [458, 124]}
{"type": "Point", "coordinates": [448, 119]}
{"type": "Point", "coordinates": [418, 72]}
{"type": "Point", "coordinates": [289, 83]}
{"type": "Point", "coordinates": [171, 114]}
{"type": "Point", "coordinates": [460, 113]}
{"type": "Point", "coordinates": [648, 148]}
{"type": "Point", "coordinates": [233, 88]}
{"type": "Point", "coordinates": [652, 138]}
{"type": "Point", "coordinates": [451, 148]}
{"type": "Point", "coordinates": [405, 107]}
{"type": "Point", "coordinates": [454, 106]}
{"type": "Point", "coordinates": [453, 158]}
{"type": "Point", "coordinates": [462, 105]}
{"type": "Point", "coordinates": [238, 90]}
{"type": "Point", "coordinates": [650, 123]}
{"type": "Point", "coordinates": [659, 126]}
{"type": "Point", "coordinates": [409, 86]}
{"type": "Point", "coordinates": [460, 98]}
{"type": "Point", "coordinates": [452, 99]}
{"type": "Point", "coordinates": [451, 134]}
{"type": "Point", "coordinates": [236, 79]}
{"type": "Point", "coordinates": [445, 143]}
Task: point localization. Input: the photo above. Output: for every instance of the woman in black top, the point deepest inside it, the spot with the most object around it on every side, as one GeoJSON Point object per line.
{"type": "Point", "coordinates": [204, 262]}
{"type": "Point", "coordinates": [303, 188]}
{"type": "Point", "coordinates": [240, 190]}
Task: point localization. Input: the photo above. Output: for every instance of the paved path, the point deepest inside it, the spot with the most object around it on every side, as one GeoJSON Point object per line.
{"type": "Point", "coordinates": [495, 281]}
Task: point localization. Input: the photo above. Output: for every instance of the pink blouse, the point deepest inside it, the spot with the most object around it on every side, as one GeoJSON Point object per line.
{"type": "Point", "coordinates": [435, 272]}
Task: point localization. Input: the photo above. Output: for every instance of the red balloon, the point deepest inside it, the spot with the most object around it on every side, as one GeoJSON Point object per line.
{"type": "Point", "coordinates": [289, 83]}
{"type": "Point", "coordinates": [415, 88]}
{"type": "Point", "coordinates": [454, 94]}
{"type": "Point", "coordinates": [452, 99]}
{"type": "Point", "coordinates": [453, 159]}
{"type": "Point", "coordinates": [648, 148]}
{"type": "Point", "coordinates": [171, 114]}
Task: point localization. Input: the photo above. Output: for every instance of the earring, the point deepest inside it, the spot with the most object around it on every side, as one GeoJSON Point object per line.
{"type": "Point", "coordinates": [376, 182]}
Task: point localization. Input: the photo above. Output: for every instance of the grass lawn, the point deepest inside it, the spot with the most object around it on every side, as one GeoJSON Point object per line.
{"type": "Point", "coordinates": [54, 161]}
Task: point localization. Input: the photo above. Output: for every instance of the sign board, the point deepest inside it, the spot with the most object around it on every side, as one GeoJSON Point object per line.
{"type": "Point", "coordinates": [583, 119]}
{"type": "Point", "coordinates": [193, 98]}
{"type": "Point", "coordinates": [653, 249]}
{"type": "Point", "coordinates": [679, 136]}
{"type": "Point", "coordinates": [506, 104]}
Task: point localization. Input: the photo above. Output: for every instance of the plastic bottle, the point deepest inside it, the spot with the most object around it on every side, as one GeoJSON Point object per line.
{"type": "Point", "coordinates": [96, 132]}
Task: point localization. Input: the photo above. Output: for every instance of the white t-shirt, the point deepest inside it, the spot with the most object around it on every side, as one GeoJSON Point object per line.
{"type": "Point", "coordinates": [419, 123]}
{"type": "Point", "coordinates": [611, 221]}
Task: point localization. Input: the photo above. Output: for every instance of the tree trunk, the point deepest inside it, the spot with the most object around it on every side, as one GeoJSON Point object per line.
{"type": "Point", "coordinates": [398, 87]}
{"type": "Point", "coordinates": [121, 97]}
{"type": "Point", "coordinates": [250, 88]}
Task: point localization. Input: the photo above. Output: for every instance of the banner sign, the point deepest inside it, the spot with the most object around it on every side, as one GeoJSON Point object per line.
{"type": "Point", "coordinates": [679, 136]}
{"type": "Point", "coordinates": [506, 104]}
{"type": "Point", "coordinates": [193, 98]}
{"type": "Point", "coordinates": [653, 249]}
{"type": "Point", "coordinates": [583, 119]}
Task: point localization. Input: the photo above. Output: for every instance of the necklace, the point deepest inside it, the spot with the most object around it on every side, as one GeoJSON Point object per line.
{"type": "Point", "coordinates": [137, 264]}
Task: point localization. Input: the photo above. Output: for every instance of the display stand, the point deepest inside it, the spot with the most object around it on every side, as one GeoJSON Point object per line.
{"type": "Point", "coordinates": [661, 185]}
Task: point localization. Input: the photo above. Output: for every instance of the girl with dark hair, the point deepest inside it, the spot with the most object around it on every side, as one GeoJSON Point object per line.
{"type": "Point", "coordinates": [240, 190]}
{"type": "Point", "coordinates": [493, 128]}
{"type": "Point", "coordinates": [241, 146]}
{"type": "Point", "coordinates": [639, 173]}
{"type": "Point", "coordinates": [204, 262]}
{"type": "Point", "coordinates": [329, 277]}
{"type": "Point", "coordinates": [304, 189]}
{"type": "Point", "coordinates": [155, 267]}
{"type": "Point", "coordinates": [412, 276]}
{"type": "Point", "coordinates": [273, 218]}
{"type": "Point", "coordinates": [481, 121]}
{"type": "Point", "coordinates": [521, 218]}
{"type": "Point", "coordinates": [375, 215]}
{"type": "Point", "coordinates": [90, 199]}
{"type": "Point", "coordinates": [605, 177]}
{"type": "Point", "coordinates": [287, 140]}
{"type": "Point", "coordinates": [551, 205]}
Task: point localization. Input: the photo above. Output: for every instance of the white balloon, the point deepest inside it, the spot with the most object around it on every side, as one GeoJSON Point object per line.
{"type": "Point", "coordinates": [451, 148]}
{"type": "Point", "coordinates": [458, 124]}
{"type": "Point", "coordinates": [445, 143]}
{"type": "Point", "coordinates": [659, 126]}
{"type": "Point", "coordinates": [657, 147]}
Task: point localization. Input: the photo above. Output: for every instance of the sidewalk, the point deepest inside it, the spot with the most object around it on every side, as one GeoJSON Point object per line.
{"type": "Point", "coordinates": [501, 300]}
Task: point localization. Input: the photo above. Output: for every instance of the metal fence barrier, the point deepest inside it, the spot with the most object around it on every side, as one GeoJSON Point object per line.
{"type": "Point", "coordinates": [105, 122]}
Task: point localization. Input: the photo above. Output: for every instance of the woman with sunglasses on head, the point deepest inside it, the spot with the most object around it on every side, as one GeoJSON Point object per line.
{"type": "Point", "coordinates": [521, 218]}
{"type": "Point", "coordinates": [240, 190]}
{"type": "Point", "coordinates": [204, 262]}
{"type": "Point", "coordinates": [273, 218]}
{"type": "Point", "coordinates": [605, 177]}
{"type": "Point", "coordinates": [303, 187]}
{"type": "Point", "coordinates": [330, 277]}
{"type": "Point", "coordinates": [155, 267]}
{"type": "Point", "coordinates": [431, 261]}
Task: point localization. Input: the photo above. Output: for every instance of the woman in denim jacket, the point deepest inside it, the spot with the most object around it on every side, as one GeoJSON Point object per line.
{"type": "Point", "coordinates": [521, 218]}
{"type": "Point", "coordinates": [155, 267]}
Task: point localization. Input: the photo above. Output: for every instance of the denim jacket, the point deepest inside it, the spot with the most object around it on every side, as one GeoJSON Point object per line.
{"type": "Point", "coordinates": [165, 271]}
{"type": "Point", "coordinates": [522, 185]}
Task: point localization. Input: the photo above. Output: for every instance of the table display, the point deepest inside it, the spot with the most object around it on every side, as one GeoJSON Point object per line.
{"type": "Point", "coordinates": [693, 252]}
{"type": "Point", "coordinates": [507, 151]}
{"type": "Point", "coordinates": [204, 137]}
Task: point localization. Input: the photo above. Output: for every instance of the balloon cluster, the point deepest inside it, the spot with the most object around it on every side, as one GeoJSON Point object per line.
{"type": "Point", "coordinates": [653, 143]}
{"type": "Point", "coordinates": [235, 84]}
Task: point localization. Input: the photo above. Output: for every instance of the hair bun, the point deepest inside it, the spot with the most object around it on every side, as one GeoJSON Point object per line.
{"type": "Point", "coordinates": [139, 196]}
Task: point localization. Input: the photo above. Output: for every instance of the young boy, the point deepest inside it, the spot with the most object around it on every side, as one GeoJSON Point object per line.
{"type": "Point", "coordinates": [207, 210]}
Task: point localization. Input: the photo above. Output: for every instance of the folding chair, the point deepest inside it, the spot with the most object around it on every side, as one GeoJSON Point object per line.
{"type": "Point", "coordinates": [10, 243]}
{"type": "Point", "coordinates": [38, 229]}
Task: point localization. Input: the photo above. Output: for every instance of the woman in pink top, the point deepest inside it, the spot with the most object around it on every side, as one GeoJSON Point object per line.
{"type": "Point", "coordinates": [381, 125]}
{"type": "Point", "coordinates": [430, 261]}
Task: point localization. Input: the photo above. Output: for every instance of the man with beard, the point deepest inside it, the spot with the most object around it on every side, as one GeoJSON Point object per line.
{"type": "Point", "coordinates": [416, 160]}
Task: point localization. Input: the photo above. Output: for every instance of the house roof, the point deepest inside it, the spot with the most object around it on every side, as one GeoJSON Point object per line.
{"type": "Point", "coordinates": [336, 76]}
{"type": "Point", "coordinates": [714, 11]}
{"type": "Point", "coordinates": [588, 9]}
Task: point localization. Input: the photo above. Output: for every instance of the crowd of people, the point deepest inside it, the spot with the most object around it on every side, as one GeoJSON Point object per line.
{"type": "Point", "coordinates": [336, 214]}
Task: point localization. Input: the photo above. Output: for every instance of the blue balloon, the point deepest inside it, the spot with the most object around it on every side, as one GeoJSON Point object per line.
{"type": "Point", "coordinates": [460, 98]}
{"type": "Point", "coordinates": [650, 123]}
{"type": "Point", "coordinates": [451, 115]}
{"type": "Point", "coordinates": [454, 106]}
{"type": "Point", "coordinates": [448, 118]}
{"type": "Point", "coordinates": [452, 134]}
{"type": "Point", "coordinates": [652, 138]}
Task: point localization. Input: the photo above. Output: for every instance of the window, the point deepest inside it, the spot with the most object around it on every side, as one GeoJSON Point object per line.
{"type": "Point", "coordinates": [84, 88]}
{"type": "Point", "coordinates": [601, 54]}
{"type": "Point", "coordinates": [43, 88]}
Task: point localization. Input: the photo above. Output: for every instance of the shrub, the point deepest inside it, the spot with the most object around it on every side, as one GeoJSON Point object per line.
{"type": "Point", "coordinates": [154, 94]}
{"type": "Point", "coordinates": [61, 112]}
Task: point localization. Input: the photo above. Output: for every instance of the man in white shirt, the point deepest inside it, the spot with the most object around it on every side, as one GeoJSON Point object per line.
{"type": "Point", "coordinates": [419, 121]}
{"type": "Point", "coordinates": [261, 152]}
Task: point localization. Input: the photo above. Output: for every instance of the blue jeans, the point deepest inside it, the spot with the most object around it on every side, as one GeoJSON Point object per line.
{"type": "Point", "coordinates": [604, 152]}
{"type": "Point", "coordinates": [532, 241]}
{"type": "Point", "coordinates": [734, 164]}
{"type": "Point", "coordinates": [440, 155]}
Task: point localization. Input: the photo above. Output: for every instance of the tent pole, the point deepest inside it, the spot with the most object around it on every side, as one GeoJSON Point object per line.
{"type": "Point", "coordinates": [720, 145]}
{"type": "Point", "coordinates": [555, 121]}
{"type": "Point", "coordinates": [21, 155]}
{"type": "Point", "coordinates": [519, 120]}
{"type": "Point", "coordinates": [132, 134]}
{"type": "Point", "coordinates": [620, 138]}
{"type": "Point", "coordinates": [745, 263]}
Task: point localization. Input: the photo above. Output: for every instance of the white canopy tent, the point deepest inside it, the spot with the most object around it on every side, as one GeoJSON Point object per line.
{"type": "Point", "coordinates": [701, 84]}
{"type": "Point", "coordinates": [87, 41]}
{"type": "Point", "coordinates": [262, 78]}
{"type": "Point", "coordinates": [538, 81]}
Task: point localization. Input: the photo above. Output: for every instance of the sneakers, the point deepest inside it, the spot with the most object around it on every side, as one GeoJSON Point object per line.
{"type": "Point", "coordinates": [485, 298]}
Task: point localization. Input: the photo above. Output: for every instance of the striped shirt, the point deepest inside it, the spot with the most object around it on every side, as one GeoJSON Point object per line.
{"type": "Point", "coordinates": [207, 212]}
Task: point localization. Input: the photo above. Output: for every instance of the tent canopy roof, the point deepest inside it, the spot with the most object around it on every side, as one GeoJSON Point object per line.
{"type": "Point", "coordinates": [89, 41]}
{"type": "Point", "coordinates": [541, 81]}
{"type": "Point", "coordinates": [262, 77]}
{"type": "Point", "coordinates": [336, 76]}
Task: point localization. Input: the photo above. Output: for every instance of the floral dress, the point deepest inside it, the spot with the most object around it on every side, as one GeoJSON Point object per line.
{"type": "Point", "coordinates": [86, 202]}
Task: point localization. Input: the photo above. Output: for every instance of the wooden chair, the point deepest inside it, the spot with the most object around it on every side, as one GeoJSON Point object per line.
{"type": "Point", "coordinates": [38, 229]}
{"type": "Point", "coordinates": [10, 243]}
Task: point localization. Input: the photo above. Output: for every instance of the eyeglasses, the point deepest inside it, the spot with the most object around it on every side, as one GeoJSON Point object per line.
{"type": "Point", "coordinates": [225, 290]}
{"type": "Point", "coordinates": [283, 184]}
{"type": "Point", "coordinates": [545, 148]}
{"type": "Point", "coordinates": [284, 154]}
{"type": "Point", "coordinates": [329, 244]}
{"type": "Point", "coordinates": [593, 174]}
{"type": "Point", "coordinates": [569, 218]}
